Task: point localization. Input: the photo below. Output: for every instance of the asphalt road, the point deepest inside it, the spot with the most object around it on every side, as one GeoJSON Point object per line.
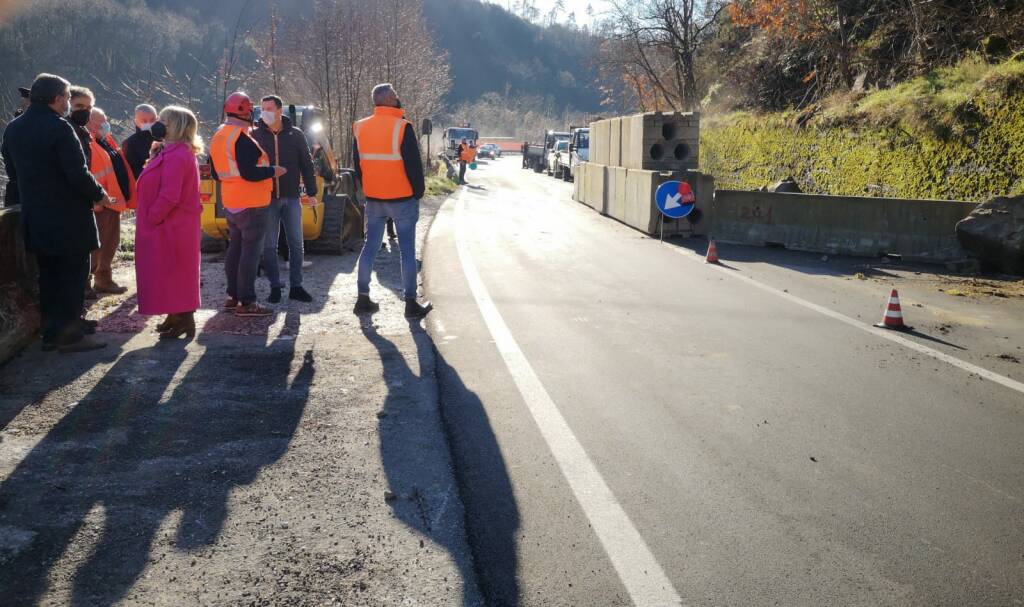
{"type": "Point", "coordinates": [631, 426]}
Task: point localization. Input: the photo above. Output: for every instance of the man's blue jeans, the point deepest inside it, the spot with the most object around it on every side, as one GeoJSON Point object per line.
{"type": "Point", "coordinates": [289, 211]}
{"type": "Point", "coordinates": [405, 214]}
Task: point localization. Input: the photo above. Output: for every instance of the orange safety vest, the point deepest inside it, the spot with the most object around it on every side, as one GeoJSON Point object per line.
{"type": "Point", "coordinates": [102, 168]}
{"type": "Point", "coordinates": [235, 192]}
{"type": "Point", "coordinates": [468, 154]}
{"type": "Point", "coordinates": [379, 141]}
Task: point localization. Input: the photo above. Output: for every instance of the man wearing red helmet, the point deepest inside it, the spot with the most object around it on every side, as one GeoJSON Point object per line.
{"type": "Point", "coordinates": [246, 179]}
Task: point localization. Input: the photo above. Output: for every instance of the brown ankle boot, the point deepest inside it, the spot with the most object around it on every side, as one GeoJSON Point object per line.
{"type": "Point", "coordinates": [165, 323]}
{"type": "Point", "coordinates": [184, 324]}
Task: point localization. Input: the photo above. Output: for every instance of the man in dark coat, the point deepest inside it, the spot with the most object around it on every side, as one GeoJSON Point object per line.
{"type": "Point", "coordinates": [42, 152]}
{"type": "Point", "coordinates": [136, 147]}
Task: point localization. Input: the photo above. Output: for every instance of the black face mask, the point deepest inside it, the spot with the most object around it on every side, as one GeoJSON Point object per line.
{"type": "Point", "coordinates": [80, 117]}
{"type": "Point", "coordinates": [158, 131]}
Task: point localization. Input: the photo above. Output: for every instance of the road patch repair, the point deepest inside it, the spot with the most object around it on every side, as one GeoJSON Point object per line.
{"type": "Point", "coordinates": [294, 460]}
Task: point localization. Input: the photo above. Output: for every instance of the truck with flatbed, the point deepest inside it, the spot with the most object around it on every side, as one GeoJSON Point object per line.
{"type": "Point", "coordinates": [535, 155]}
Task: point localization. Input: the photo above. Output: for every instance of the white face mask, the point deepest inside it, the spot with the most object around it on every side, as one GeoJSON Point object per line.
{"type": "Point", "coordinates": [105, 129]}
{"type": "Point", "coordinates": [146, 126]}
{"type": "Point", "coordinates": [269, 117]}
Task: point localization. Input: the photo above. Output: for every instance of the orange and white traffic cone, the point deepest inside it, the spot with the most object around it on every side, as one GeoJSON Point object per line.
{"type": "Point", "coordinates": [712, 256]}
{"type": "Point", "coordinates": [893, 318]}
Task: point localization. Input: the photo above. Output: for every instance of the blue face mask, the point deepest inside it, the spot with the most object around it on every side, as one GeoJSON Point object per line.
{"type": "Point", "coordinates": [105, 130]}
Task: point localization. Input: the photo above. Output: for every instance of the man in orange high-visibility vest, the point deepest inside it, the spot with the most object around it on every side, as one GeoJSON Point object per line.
{"type": "Point", "coordinates": [116, 182]}
{"type": "Point", "coordinates": [387, 161]}
{"type": "Point", "coordinates": [246, 182]}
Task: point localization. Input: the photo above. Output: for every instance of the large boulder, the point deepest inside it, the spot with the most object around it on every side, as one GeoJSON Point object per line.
{"type": "Point", "coordinates": [787, 185]}
{"type": "Point", "coordinates": [994, 233]}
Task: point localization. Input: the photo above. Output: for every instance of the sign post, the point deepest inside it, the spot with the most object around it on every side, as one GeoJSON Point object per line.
{"type": "Point", "coordinates": [675, 200]}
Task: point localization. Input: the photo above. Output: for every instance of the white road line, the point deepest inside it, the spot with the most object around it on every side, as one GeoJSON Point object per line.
{"type": "Point", "coordinates": [643, 577]}
{"type": "Point", "coordinates": [877, 332]}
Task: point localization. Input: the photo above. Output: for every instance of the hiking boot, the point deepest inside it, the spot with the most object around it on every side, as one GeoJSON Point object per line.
{"type": "Point", "coordinates": [299, 294]}
{"type": "Point", "coordinates": [88, 326]}
{"type": "Point", "coordinates": [413, 309]}
{"type": "Point", "coordinates": [253, 309]}
{"type": "Point", "coordinates": [111, 288]}
{"type": "Point", "coordinates": [85, 344]}
{"type": "Point", "coordinates": [365, 306]}
{"type": "Point", "coordinates": [275, 295]}
{"type": "Point", "coordinates": [230, 304]}
{"type": "Point", "coordinates": [90, 293]}
{"type": "Point", "coordinates": [48, 345]}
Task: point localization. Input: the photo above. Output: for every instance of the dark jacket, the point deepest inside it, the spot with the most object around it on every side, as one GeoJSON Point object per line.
{"type": "Point", "coordinates": [288, 148]}
{"type": "Point", "coordinates": [121, 170]}
{"type": "Point", "coordinates": [86, 140]}
{"type": "Point", "coordinates": [410, 159]}
{"type": "Point", "coordinates": [136, 150]}
{"type": "Point", "coordinates": [57, 191]}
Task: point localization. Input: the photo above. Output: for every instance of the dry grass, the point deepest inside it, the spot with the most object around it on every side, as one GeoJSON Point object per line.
{"type": "Point", "coordinates": [943, 101]}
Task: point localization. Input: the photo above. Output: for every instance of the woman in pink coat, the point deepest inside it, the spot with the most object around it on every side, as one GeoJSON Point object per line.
{"type": "Point", "coordinates": [167, 227]}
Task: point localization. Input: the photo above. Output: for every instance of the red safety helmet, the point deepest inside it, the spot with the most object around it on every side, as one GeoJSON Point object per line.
{"type": "Point", "coordinates": [238, 105]}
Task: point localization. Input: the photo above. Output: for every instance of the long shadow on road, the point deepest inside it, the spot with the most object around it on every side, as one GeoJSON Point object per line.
{"type": "Point", "coordinates": [495, 567]}
{"type": "Point", "coordinates": [129, 455]}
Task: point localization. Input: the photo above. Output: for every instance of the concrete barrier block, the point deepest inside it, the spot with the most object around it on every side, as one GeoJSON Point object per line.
{"type": "Point", "coordinates": [600, 142]}
{"type": "Point", "coordinates": [849, 225]}
{"type": "Point", "coordinates": [615, 142]}
{"type": "Point", "coordinates": [640, 188]}
{"type": "Point", "coordinates": [597, 181]}
{"type": "Point", "coordinates": [617, 199]}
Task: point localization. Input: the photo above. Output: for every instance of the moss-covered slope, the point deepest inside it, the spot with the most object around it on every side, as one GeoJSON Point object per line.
{"type": "Point", "coordinates": [957, 133]}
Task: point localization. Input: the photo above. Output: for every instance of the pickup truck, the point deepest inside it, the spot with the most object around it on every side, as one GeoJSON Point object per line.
{"type": "Point", "coordinates": [579, 151]}
{"type": "Point", "coordinates": [535, 155]}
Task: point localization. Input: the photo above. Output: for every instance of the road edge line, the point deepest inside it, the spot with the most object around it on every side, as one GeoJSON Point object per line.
{"type": "Point", "coordinates": [637, 568]}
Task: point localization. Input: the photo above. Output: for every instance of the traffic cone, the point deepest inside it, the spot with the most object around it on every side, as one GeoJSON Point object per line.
{"type": "Point", "coordinates": [893, 318]}
{"type": "Point", "coordinates": [712, 256]}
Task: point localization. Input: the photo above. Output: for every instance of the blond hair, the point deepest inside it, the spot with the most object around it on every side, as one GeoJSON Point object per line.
{"type": "Point", "coordinates": [182, 126]}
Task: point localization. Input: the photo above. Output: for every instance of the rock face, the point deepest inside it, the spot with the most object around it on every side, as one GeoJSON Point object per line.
{"type": "Point", "coordinates": [994, 233]}
{"type": "Point", "coordinates": [787, 186]}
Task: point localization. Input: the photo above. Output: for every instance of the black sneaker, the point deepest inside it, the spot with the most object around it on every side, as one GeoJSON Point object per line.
{"type": "Point", "coordinates": [299, 294]}
{"type": "Point", "coordinates": [275, 295]}
{"type": "Point", "coordinates": [413, 309]}
{"type": "Point", "coordinates": [365, 306]}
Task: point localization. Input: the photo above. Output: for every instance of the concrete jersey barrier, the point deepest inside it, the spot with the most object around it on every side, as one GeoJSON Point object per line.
{"type": "Point", "coordinates": [849, 225]}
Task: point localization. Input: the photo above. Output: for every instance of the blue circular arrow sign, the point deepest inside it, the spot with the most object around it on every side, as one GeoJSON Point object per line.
{"type": "Point", "coordinates": [675, 199]}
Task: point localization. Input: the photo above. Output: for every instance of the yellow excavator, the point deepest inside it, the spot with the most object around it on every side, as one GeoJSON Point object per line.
{"type": "Point", "coordinates": [334, 225]}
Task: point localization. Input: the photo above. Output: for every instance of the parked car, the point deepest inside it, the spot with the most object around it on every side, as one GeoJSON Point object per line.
{"type": "Point", "coordinates": [561, 147]}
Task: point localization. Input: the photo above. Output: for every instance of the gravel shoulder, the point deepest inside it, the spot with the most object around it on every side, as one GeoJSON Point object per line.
{"type": "Point", "coordinates": [294, 460]}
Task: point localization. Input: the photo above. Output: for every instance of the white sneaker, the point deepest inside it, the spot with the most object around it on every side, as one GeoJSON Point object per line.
{"type": "Point", "coordinates": [307, 263]}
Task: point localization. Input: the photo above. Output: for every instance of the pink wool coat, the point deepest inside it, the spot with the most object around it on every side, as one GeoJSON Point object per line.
{"type": "Point", "coordinates": [167, 232]}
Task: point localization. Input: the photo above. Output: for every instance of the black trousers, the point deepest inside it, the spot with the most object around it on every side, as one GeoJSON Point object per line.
{"type": "Point", "coordinates": [462, 171]}
{"type": "Point", "coordinates": [62, 282]}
